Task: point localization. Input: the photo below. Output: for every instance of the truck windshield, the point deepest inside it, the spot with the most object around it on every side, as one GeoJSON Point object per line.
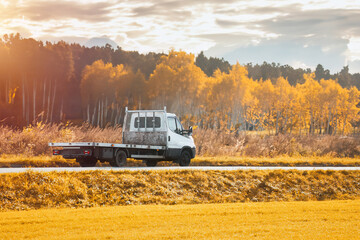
{"type": "Point", "coordinates": [178, 125]}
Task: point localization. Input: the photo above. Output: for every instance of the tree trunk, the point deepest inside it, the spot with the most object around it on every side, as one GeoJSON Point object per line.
{"type": "Point", "coordinates": [23, 98]}
{"type": "Point", "coordinates": [117, 115]}
{"type": "Point", "coordinates": [277, 122]}
{"type": "Point", "coordinates": [285, 124]}
{"type": "Point", "coordinates": [336, 123]}
{"type": "Point", "coordinates": [27, 104]}
{"type": "Point", "coordinates": [311, 123]}
{"type": "Point", "coordinates": [120, 119]}
{"type": "Point", "coordinates": [112, 112]}
{"type": "Point", "coordinates": [106, 111]}
{"type": "Point", "coordinates": [328, 123]}
{"type": "Point", "coordinates": [61, 109]}
{"type": "Point", "coordinates": [343, 131]}
{"type": "Point", "coordinates": [93, 116]}
{"type": "Point", "coordinates": [53, 103]}
{"type": "Point", "coordinates": [48, 104]}
{"type": "Point", "coordinates": [88, 113]}
{"type": "Point", "coordinates": [6, 96]}
{"type": "Point", "coordinates": [98, 114]}
{"type": "Point", "coordinates": [101, 112]}
{"type": "Point", "coordinates": [34, 101]}
{"type": "Point", "coordinates": [44, 101]}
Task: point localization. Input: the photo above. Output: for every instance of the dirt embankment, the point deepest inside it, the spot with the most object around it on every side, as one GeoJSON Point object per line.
{"type": "Point", "coordinates": [33, 190]}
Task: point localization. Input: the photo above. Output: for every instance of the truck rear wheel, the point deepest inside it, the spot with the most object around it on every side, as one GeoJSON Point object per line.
{"type": "Point", "coordinates": [119, 160]}
{"type": "Point", "coordinates": [184, 159]}
{"type": "Point", "coordinates": [87, 162]}
{"type": "Point", "coordinates": [151, 163]}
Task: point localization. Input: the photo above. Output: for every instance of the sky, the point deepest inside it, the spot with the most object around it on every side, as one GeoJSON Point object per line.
{"type": "Point", "coordinates": [298, 33]}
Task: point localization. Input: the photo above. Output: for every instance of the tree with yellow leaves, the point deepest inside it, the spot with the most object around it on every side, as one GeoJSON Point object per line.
{"type": "Point", "coordinates": [309, 102]}
{"type": "Point", "coordinates": [176, 82]}
{"type": "Point", "coordinates": [285, 105]}
{"type": "Point", "coordinates": [106, 90]}
{"type": "Point", "coordinates": [266, 95]}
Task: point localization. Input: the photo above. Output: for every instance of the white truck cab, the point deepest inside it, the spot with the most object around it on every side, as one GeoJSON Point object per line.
{"type": "Point", "coordinates": [159, 128]}
{"type": "Point", "coordinates": [178, 138]}
{"type": "Point", "coordinates": [148, 135]}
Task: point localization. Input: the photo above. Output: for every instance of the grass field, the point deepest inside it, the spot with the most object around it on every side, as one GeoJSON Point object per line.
{"type": "Point", "coordinates": [275, 161]}
{"type": "Point", "coordinates": [275, 220]}
{"type": "Point", "coordinates": [35, 190]}
{"type": "Point", "coordinates": [57, 161]}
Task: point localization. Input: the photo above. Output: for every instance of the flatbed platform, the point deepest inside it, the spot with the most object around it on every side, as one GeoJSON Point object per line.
{"type": "Point", "coordinates": [108, 145]}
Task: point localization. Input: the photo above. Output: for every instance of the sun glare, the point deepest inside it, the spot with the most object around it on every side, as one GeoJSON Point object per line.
{"type": "Point", "coordinates": [354, 49]}
{"type": "Point", "coordinates": [4, 3]}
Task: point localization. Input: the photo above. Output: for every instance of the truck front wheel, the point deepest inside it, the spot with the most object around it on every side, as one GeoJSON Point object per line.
{"type": "Point", "coordinates": [119, 160]}
{"type": "Point", "coordinates": [184, 159]}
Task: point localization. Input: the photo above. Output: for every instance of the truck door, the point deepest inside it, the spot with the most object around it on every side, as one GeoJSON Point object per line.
{"type": "Point", "coordinates": [176, 141]}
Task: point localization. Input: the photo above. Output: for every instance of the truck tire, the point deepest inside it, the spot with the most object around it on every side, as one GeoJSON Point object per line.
{"type": "Point", "coordinates": [119, 160]}
{"type": "Point", "coordinates": [185, 158]}
{"type": "Point", "coordinates": [87, 162]}
{"type": "Point", "coordinates": [151, 163]}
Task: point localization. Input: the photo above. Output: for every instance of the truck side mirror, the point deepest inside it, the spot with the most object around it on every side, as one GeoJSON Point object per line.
{"type": "Point", "coordinates": [190, 130]}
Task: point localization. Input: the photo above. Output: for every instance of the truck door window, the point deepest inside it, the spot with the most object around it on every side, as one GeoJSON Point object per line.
{"type": "Point", "coordinates": [172, 124]}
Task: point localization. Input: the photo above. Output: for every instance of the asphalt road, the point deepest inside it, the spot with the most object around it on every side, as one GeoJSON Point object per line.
{"type": "Point", "coordinates": [172, 168]}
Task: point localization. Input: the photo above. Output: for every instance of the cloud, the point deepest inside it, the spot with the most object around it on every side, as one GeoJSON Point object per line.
{"type": "Point", "coordinates": [178, 10]}
{"type": "Point", "coordinates": [50, 10]}
{"type": "Point", "coordinates": [24, 32]}
{"type": "Point", "coordinates": [69, 39]}
{"type": "Point", "coordinates": [168, 10]}
{"type": "Point", "coordinates": [227, 23]}
{"type": "Point", "coordinates": [329, 22]}
{"type": "Point", "coordinates": [135, 24]}
{"type": "Point", "coordinates": [228, 39]}
{"type": "Point", "coordinates": [324, 32]}
{"type": "Point", "coordinates": [283, 52]}
{"type": "Point", "coordinates": [271, 10]}
{"type": "Point", "coordinates": [226, 11]}
{"type": "Point", "coordinates": [135, 34]}
{"type": "Point", "coordinates": [354, 66]}
{"type": "Point", "coordinates": [255, 30]}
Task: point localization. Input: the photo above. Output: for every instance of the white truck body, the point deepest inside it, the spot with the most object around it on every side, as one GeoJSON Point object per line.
{"type": "Point", "coordinates": [148, 135]}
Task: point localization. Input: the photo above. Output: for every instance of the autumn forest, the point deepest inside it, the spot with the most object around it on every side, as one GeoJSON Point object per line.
{"type": "Point", "coordinates": [59, 82]}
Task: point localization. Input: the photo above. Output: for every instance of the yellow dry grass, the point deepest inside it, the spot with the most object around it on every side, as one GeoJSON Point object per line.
{"type": "Point", "coordinates": [275, 220]}
{"type": "Point", "coordinates": [7, 160]}
{"type": "Point", "coordinates": [57, 161]}
{"type": "Point", "coordinates": [34, 190]}
{"type": "Point", "coordinates": [276, 161]}
{"type": "Point", "coordinates": [33, 141]}
{"type": "Point", "coordinates": [12, 160]}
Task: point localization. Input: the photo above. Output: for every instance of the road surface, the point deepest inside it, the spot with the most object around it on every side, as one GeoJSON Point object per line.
{"type": "Point", "coordinates": [172, 168]}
